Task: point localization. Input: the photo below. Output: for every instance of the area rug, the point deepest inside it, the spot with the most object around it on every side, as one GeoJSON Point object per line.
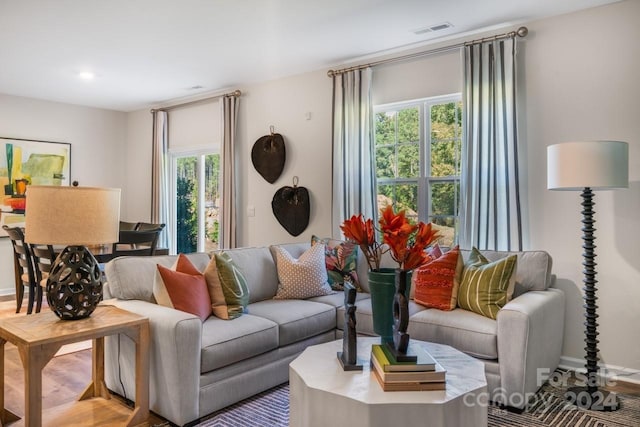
{"type": "Point", "coordinates": [547, 408]}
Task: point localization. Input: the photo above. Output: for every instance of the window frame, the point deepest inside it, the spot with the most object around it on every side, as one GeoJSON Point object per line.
{"type": "Point", "coordinates": [425, 180]}
{"type": "Point", "coordinates": [174, 155]}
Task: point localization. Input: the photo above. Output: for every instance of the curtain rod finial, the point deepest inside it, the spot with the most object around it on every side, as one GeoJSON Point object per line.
{"type": "Point", "coordinates": [237, 92]}
{"type": "Point", "coordinates": [331, 73]}
{"type": "Point", "coordinates": [522, 31]}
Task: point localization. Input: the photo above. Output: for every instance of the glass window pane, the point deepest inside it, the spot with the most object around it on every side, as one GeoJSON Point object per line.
{"type": "Point", "coordinates": [186, 204]}
{"type": "Point", "coordinates": [407, 200]}
{"type": "Point", "coordinates": [408, 161]}
{"type": "Point", "coordinates": [211, 201]}
{"type": "Point", "coordinates": [385, 162]}
{"type": "Point", "coordinates": [444, 158]}
{"type": "Point", "coordinates": [386, 195]}
{"type": "Point", "coordinates": [385, 128]}
{"type": "Point", "coordinates": [443, 198]}
{"type": "Point", "coordinates": [446, 228]}
{"type": "Point", "coordinates": [445, 120]}
{"type": "Point", "coordinates": [409, 125]}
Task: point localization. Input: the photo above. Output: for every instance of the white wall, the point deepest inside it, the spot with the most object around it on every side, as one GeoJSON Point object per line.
{"type": "Point", "coordinates": [580, 81]}
{"type": "Point", "coordinates": [97, 140]}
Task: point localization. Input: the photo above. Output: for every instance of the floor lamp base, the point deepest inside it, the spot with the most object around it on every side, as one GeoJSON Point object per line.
{"type": "Point", "coordinates": [594, 400]}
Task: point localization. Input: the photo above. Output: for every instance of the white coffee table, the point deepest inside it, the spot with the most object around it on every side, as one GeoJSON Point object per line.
{"type": "Point", "coordinates": [323, 394]}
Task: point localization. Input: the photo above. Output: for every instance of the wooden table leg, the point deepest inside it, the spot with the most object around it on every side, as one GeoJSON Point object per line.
{"type": "Point", "coordinates": [34, 359]}
{"type": "Point", "coordinates": [6, 416]}
{"type": "Point", "coordinates": [97, 387]}
{"type": "Point", "coordinates": [140, 336]}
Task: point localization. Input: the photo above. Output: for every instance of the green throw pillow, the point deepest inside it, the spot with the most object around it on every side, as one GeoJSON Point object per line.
{"type": "Point", "coordinates": [234, 285]}
{"type": "Point", "coordinates": [484, 287]}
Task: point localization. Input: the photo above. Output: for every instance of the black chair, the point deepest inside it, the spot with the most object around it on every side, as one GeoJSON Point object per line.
{"type": "Point", "coordinates": [124, 225]}
{"type": "Point", "coordinates": [43, 259]}
{"type": "Point", "coordinates": [136, 243]}
{"type": "Point", "coordinates": [147, 226]}
{"type": "Point", "coordinates": [23, 262]}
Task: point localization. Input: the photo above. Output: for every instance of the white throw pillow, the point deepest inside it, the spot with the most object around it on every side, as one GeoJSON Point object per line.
{"type": "Point", "coordinates": [304, 277]}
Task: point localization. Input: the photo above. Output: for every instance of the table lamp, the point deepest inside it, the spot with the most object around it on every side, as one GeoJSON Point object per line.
{"type": "Point", "coordinates": [74, 217]}
{"type": "Point", "coordinates": [588, 166]}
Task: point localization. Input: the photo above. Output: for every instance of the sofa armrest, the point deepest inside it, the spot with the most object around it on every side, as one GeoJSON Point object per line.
{"type": "Point", "coordinates": [174, 360]}
{"type": "Point", "coordinates": [530, 335]}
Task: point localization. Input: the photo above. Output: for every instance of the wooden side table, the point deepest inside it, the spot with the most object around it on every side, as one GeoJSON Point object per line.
{"type": "Point", "coordinates": [39, 336]}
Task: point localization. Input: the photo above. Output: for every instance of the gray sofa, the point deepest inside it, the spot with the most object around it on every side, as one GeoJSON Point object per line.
{"type": "Point", "coordinates": [199, 367]}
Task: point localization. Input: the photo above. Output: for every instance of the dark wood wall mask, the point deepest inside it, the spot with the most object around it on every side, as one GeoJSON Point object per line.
{"type": "Point", "coordinates": [268, 156]}
{"type": "Point", "coordinates": [291, 208]}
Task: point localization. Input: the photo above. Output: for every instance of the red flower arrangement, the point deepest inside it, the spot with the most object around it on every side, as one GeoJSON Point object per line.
{"type": "Point", "coordinates": [406, 241]}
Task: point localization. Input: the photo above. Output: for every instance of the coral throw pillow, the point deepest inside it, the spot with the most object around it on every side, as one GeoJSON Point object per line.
{"type": "Point", "coordinates": [485, 285]}
{"type": "Point", "coordinates": [183, 288]}
{"type": "Point", "coordinates": [436, 282]}
{"type": "Point", "coordinates": [304, 277]}
{"type": "Point", "coordinates": [341, 259]}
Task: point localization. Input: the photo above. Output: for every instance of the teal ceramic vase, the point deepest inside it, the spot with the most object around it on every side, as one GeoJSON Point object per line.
{"type": "Point", "coordinates": [383, 288]}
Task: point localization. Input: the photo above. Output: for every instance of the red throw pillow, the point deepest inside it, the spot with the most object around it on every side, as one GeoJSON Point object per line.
{"type": "Point", "coordinates": [186, 288]}
{"type": "Point", "coordinates": [436, 282]}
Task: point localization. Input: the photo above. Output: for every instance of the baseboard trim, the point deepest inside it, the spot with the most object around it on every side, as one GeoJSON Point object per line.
{"type": "Point", "coordinates": [611, 372]}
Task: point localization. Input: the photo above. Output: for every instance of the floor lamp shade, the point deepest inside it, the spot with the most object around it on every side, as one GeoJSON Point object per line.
{"type": "Point", "coordinates": [73, 216]}
{"type": "Point", "coordinates": [597, 165]}
{"type": "Point", "coordinates": [588, 166]}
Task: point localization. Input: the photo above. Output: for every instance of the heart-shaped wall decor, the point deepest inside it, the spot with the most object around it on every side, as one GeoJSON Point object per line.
{"type": "Point", "coordinates": [268, 156]}
{"type": "Point", "coordinates": [291, 208]}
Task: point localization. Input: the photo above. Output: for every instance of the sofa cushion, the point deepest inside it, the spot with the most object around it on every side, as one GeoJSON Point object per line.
{"type": "Point", "coordinates": [534, 269]}
{"type": "Point", "coordinates": [132, 277]}
{"type": "Point", "coordinates": [296, 319]}
{"type": "Point", "coordinates": [484, 288]}
{"type": "Point", "coordinates": [364, 316]}
{"type": "Point", "coordinates": [259, 268]}
{"type": "Point", "coordinates": [226, 342]}
{"type": "Point", "coordinates": [183, 288]}
{"type": "Point", "coordinates": [436, 283]}
{"type": "Point", "coordinates": [303, 277]}
{"type": "Point", "coordinates": [341, 260]}
{"type": "Point", "coordinates": [464, 330]}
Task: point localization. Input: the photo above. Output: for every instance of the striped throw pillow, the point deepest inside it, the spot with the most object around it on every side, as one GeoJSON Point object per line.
{"type": "Point", "coordinates": [485, 284]}
{"type": "Point", "coordinates": [436, 282]}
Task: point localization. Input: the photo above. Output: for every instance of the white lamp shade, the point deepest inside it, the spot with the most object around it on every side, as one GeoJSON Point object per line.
{"type": "Point", "coordinates": [72, 215]}
{"type": "Point", "coordinates": [598, 165]}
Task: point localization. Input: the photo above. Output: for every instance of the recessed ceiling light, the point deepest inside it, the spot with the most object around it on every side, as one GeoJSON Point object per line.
{"type": "Point", "coordinates": [86, 75]}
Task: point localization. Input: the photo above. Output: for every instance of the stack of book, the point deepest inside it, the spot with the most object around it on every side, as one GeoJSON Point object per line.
{"type": "Point", "coordinates": [424, 374]}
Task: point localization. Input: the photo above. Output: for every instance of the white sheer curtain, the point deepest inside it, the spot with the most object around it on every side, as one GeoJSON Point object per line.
{"type": "Point", "coordinates": [490, 211]}
{"type": "Point", "coordinates": [160, 178]}
{"type": "Point", "coordinates": [354, 189]}
{"type": "Point", "coordinates": [228, 239]}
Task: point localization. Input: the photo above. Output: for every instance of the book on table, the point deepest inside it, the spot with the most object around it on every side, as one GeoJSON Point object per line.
{"type": "Point", "coordinates": [408, 386]}
{"type": "Point", "coordinates": [437, 375]}
{"type": "Point", "coordinates": [389, 364]}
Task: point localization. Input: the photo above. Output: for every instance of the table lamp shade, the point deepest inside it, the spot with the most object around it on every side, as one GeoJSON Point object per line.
{"type": "Point", "coordinates": [72, 215]}
{"type": "Point", "coordinates": [598, 165]}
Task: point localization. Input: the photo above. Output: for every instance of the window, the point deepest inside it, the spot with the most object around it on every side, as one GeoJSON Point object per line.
{"type": "Point", "coordinates": [195, 208]}
{"type": "Point", "coordinates": [417, 155]}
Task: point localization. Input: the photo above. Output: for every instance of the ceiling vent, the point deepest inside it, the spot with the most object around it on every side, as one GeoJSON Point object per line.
{"type": "Point", "coordinates": [432, 28]}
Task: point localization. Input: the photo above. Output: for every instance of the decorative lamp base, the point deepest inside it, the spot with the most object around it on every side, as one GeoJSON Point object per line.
{"type": "Point", "coordinates": [74, 286]}
{"type": "Point", "coordinates": [594, 399]}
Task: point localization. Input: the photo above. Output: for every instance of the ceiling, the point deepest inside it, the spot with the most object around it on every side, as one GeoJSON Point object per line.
{"type": "Point", "coordinates": [146, 52]}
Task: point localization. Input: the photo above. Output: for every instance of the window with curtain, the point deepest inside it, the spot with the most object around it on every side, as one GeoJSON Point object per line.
{"type": "Point", "coordinates": [195, 177]}
{"type": "Point", "coordinates": [417, 158]}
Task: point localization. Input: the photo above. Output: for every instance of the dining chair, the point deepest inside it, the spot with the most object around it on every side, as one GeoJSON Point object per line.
{"type": "Point", "coordinates": [148, 226]}
{"type": "Point", "coordinates": [43, 259]}
{"type": "Point", "coordinates": [23, 262]}
{"type": "Point", "coordinates": [136, 243]}
{"type": "Point", "coordinates": [124, 225]}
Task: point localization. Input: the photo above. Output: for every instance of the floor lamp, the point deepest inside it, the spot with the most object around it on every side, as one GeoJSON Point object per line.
{"type": "Point", "coordinates": [589, 166]}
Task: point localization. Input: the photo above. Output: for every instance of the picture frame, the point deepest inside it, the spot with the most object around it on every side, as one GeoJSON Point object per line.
{"type": "Point", "coordinates": [25, 162]}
